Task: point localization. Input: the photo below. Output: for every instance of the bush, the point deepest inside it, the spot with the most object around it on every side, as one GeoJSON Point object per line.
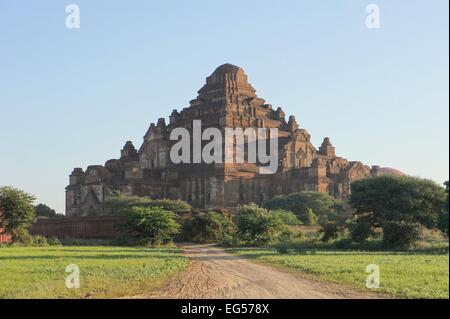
{"type": "Point", "coordinates": [40, 241]}
{"type": "Point", "coordinates": [230, 241]}
{"type": "Point", "coordinates": [288, 234]}
{"type": "Point", "coordinates": [123, 241]}
{"type": "Point", "coordinates": [330, 231]}
{"type": "Point", "coordinates": [343, 243]}
{"type": "Point", "coordinates": [400, 235]}
{"type": "Point", "coordinates": [442, 222]}
{"type": "Point", "coordinates": [321, 204]}
{"type": "Point", "coordinates": [286, 217]}
{"type": "Point", "coordinates": [152, 225]}
{"type": "Point", "coordinates": [208, 227]}
{"type": "Point", "coordinates": [176, 206]}
{"type": "Point", "coordinates": [70, 241]}
{"type": "Point", "coordinates": [54, 241]}
{"type": "Point", "coordinates": [360, 231]}
{"type": "Point", "coordinates": [283, 247]}
{"type": "Point", "coordinates": [23, 237]}
{"type": "Point", "coordinates": [119, 203]}
{"type": "Point", "coordinates": [256, 226]}
{"type": "Point", "coordinates": [310, 217]}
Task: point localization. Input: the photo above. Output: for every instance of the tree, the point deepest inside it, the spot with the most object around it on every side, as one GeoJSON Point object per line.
{"type": "Point", "coordinates": [323, 205]}
{"type": "Point", "coordinates": [256, 226]}
{"type": "Point", "coordinates": [408, 201]}
{"type": "Point", "coordinates": [286, 217]}
{"type": "Point", "coordinates": [16, 211]}
{"type": "Point", "coordinates": [43, 210]}
{"type": "Point", "coordinates": [400, 234]}
{"type": "Point", "coordinates": [442, 223]}
{"type": "Point", "coordinates": [330, 231]}
{"type": "Point", "coordinates": [120, 202]}
{"type": "Point", "coordinates": [360, 231]}
{"type": "Point", "coordinates": [152, 225]}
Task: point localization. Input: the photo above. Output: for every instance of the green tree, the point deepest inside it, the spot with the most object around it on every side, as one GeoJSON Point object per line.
{"type": "Point", "coordinates": [407, 201]}
{"type": "Point", "coordinates": [330, 231]}
{"type": "Point", "coordinates": [256, 226]}
{"type": "Point", "coordinates": [324, 206]}
{"type": "Point", "coordinates": [152, 225]}
{"type": "Point", "coordinates": [119, 202]}
{"type": "Point", "coordinates": [360, 230]}
{"type": "Point", "coordinates": [400, 234]}
{"type": "Point", "coordinates": [43, 210]}
{"type": "Point", "coordinates": [442, 223]}
{"type": "Point", "coordinates": [286, 217]}
{"type": "Point", "coordinates": [16, 211]}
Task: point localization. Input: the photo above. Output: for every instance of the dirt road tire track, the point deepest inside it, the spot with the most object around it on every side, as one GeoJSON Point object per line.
{"type": "Point", "coordinates": [214, 273]}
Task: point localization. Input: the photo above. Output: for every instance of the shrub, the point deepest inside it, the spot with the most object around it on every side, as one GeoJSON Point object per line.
{"type": "Point", "coordinates": [288, 234]}
{"type": "Point", "coordinates": [230, 241]}
{"type": "Point", "coordinates": [400, 235]}
{"type": "Point", "coordinates": [286, 217]}
{"type": "Point", "coordinates": [123, 241]}
{"type": "Point", "coordinates": [256, 226]}
{"type": "Point", "coordinates": [208, 227]}
{"type": "Point", "coordinates": [310, 217]}
{"type": "Point", "coordinates": [119, 203]}
{"type": "Point", "coordinates": [330, 231]}
{"type": "Point", "coordinates": [442, 222]}
{"type": "Point", "coordinates": [54, 241]}
{"type": "Point", "coordinates": [321, 204]}
{"type": "Point", "coordinates": [70, 241]}
{"type": "Point", "coordinates": [283, 247]}
{"type": "Point", "coordinates": [343, 243]}
{"type": "Point", "coordinates": [40, 241]}
{"type": "Point", "coordinates": [177, 206]}
{"type": "Point", "coordinates": [23, 237]}
{"type": "Point", "coordinates": [360, 231]}
{"type": "Point", "coordinates": [152, 225]}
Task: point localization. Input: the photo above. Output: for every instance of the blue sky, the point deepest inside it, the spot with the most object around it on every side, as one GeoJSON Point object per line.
{"type": "Point", "coordinates": [70, 98]}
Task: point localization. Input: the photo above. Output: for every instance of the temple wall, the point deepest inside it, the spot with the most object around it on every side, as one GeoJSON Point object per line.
{"type": "Point", "coordinates": [78, 227]}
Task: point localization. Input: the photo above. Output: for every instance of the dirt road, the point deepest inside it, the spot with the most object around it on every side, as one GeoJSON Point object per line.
{"type": "Point", "coordinates": [214, 273]}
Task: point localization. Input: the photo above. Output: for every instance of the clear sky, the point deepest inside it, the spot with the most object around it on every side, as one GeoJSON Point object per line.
{"type": "Point", "coordinates": [70, 98]}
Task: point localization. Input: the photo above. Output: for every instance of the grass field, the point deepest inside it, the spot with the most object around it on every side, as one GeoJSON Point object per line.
{"type": "Point", "coordinates": [403, 275]}
{"type": "Point", "coordinates": [106, 272]}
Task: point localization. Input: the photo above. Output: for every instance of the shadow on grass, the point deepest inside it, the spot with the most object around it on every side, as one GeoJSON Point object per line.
{"type": "Point", "coordinates": [212, 257]}
{"type": "Point", "coordinates": [151, 251]}
{"type": "Point", "coordinates": [87, 257]}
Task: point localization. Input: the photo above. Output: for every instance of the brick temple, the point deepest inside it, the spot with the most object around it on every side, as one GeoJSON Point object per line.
{"type": "Point", "coordinates": [227, 100]}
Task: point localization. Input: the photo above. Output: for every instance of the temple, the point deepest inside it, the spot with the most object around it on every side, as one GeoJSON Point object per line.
{"type": "Point", "coordinates": [227, 100]}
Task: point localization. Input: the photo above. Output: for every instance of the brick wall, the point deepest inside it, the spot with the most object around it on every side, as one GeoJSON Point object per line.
{"type": "Point", "coordinates": [4, 238]}
{"type": "Point", "coordinates": [78, 227]}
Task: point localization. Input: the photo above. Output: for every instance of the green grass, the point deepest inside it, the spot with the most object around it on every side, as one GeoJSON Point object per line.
{"type": "Point", "coordinates": [403, 275]}
{"type": "Point", "coordinates": [106, 272]}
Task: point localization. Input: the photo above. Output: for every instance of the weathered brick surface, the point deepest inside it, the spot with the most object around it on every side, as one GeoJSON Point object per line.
{"type": "Point", "coordinates": [78, 227]}
{"type": "Point", "coordinates": [4, 238]}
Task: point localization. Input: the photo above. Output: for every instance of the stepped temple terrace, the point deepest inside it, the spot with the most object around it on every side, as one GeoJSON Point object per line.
{"type": "Point", "coordinates": [227, 100]}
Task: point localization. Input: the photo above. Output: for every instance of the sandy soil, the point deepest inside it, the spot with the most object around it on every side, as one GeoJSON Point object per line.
{"type": "Point", "coordinates": [214, 273]}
